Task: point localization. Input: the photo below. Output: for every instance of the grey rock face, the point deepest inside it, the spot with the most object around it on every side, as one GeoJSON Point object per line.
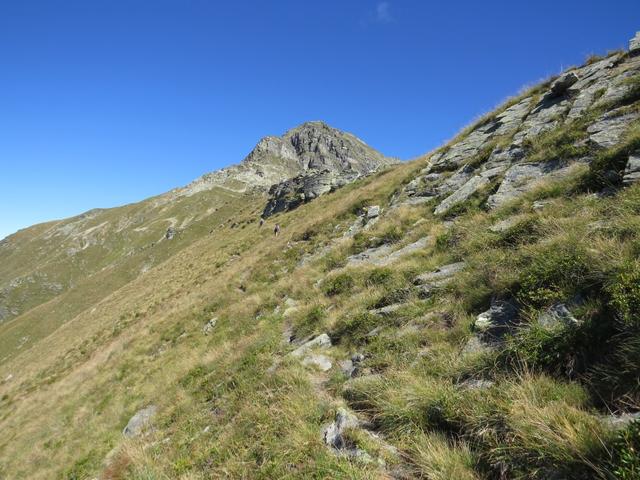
{"type": "Point", "coordinates": [320, 158]}
{"type": "Point", "coordinates": [455, 181]}
{"type": "Point", "coordinates": [462, 194]}
{"type": "Point", "coordinates": [139, 421]}
{"type": "Point", "coordinates": [522, 177]}
{"type": "Point", "coordinates": [384, 255]}
{"type": "Point", "coordinates": [632, 170]}
{"type": "Point", "coordinates": [606, 132]}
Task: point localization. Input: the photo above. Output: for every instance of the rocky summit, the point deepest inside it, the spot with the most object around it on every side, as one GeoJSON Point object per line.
{"type": "Point", "coordinates": [471, 314]}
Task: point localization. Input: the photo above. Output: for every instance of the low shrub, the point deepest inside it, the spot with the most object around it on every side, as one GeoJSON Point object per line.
{"type": "Point", "coordinates": [341, 283]}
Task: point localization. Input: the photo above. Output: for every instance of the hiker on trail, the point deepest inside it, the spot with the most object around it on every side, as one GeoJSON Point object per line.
{"type": "Point", "coordinates": [261, 221]}
{"type": "Point", "coordinates": [276, 229]}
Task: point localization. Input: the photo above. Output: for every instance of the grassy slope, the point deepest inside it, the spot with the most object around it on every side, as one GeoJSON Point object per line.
{"type": "Point", "coordinates": [115, 259]}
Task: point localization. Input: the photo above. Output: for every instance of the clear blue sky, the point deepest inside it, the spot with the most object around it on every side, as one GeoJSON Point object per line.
{"type": "Point", "coordinates": [105, 102]}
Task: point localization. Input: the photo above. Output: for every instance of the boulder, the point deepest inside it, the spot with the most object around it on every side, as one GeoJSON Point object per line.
{"type": "Point", "coordinates": [632, 170]}
{"type": "Point", "coordinates": [634, 44]}
{"type": "Point", "coordinates": [139, 421]}
{"type": "Point", "coordinates": [495, 322]}
{"type": "Point", "coordinates": [209, 326]}
{"type": "Point", "coordinates": [562, 84]}
{"type": "Point", "coordinates": [170, 233]}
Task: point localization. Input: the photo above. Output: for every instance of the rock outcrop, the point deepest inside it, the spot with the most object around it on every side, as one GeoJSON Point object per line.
{"type": "Point", "coordinates": [325, 158]}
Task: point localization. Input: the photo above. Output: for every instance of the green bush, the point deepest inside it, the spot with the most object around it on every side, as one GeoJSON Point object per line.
{"type": "Point", "coordinates": [525, 231]}
{"type": "Point", "coordinates": [555, 273]}
{"type": "Point", "coordinates": [354, 327]}
{"type": "Point", "coordinates": [342, 283]}
{"type": "Point", "coordinates": [626, 453]}
{"type": "Point", "coordinates": [379, 276]}
{"type": "Point", "coordinates": [624, 292]}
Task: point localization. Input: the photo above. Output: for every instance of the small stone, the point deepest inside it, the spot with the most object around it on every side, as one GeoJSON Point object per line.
{"type": "Point", "coordinates": [347, 367]}
{"type": "Point", "coordinates": [139, 421]}
{"type": "Point", "coordinates": [209, 326]}
{"type": "Point", "coordinates": [477, 384]}
{"type": "Point", "coordinates": [170, 233]}
{"type": "Point", "coordinates": [632, 170]}
{"type": "Point", "coordinates": [373, 211]}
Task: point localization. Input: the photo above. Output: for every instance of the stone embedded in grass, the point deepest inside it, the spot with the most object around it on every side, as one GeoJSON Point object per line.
{"type": "Point", "coordinates": [557, 315]}
{"type": "Point", "coordinates": [322, 362]}
{"type": "Point", "coordinates": [632, 170]}
{"type": "Point", "coordinates": [495, 322]}
{"type": "Point", "coordinates": [387, 310]}
{"type": "Point", "coordinates": [332, 434]}
{"type": "Point", "coordinates": [139, 421]}
{"type": "Point", "coordinates": [209, 326]}
{"type": "Point", "coordinates": [618, 422]}
{"type": "Point", "coordinates": [171, 232]}
{"type": "Point", "coordinates": [321, 341]}
{"type": "Point", "coordinates": [373, 211]}
{"type": "Point", "coordinates": [477, 384]}
{"type": "Point", "coordinates": [440, 273]}
{"type": "Point", "coordinates": [384, 255]}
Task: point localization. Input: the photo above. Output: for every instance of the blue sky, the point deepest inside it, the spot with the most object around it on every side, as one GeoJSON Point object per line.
{"type": "Point", "coordinates": [105, 102]}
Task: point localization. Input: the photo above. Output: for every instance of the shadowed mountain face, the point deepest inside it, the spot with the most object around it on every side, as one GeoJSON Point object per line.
{"type": "Point", "coordinates": [473, 314]}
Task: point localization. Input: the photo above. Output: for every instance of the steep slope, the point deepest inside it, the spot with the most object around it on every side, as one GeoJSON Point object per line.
{"type": "Point", "coordinates": [472, 314]}
{"type": "Point", "coordinates": [101, 250]}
